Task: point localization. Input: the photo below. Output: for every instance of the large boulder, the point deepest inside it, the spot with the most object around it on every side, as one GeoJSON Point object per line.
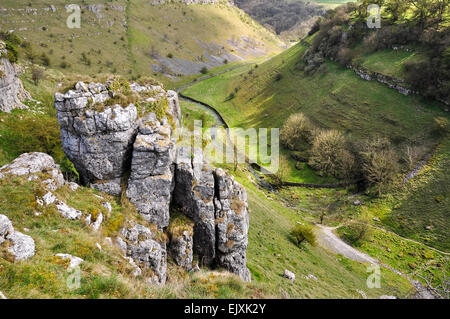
{"type": "Point", "coordinates": [98, 141]}
{"type": "Point", "coordinates": [134, 145]}
{"type": "Point", "coordinates": [21, 246]}
{"type": "Point", "coordinates": [37, 166]}
{"type": "Point", "coordinates": [151, 181]}
{"type": "Point", "coordinates": [98, 137]}
{"type": "Point", "coordinates": [12, 92]}
{"type": "Point", "coordinates": [217, 205]}
{"type": "Point", "coordinates": [6, 228]}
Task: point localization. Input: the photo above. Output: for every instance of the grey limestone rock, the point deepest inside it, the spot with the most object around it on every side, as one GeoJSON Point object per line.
{"type": "Point", "coordinates": [146, 251]}
{"type": "Point", "coordinates": [12, 92]}
{"type": "Point", "coordinates": [34, 163]}
{"type": "Point", "coordinates": [194, 195]}
{"type": "Point", "coordinates": [232, 224]}
{"type": "Point", "coordinates": [21, 246]}
{"type": "Point", "coordinates": [151, 181]}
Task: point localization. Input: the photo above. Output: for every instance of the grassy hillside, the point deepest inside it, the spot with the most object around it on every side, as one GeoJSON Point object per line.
{"type": "Point", "coordinates": [105, 274]}
{"type": "Point", "coordinates": [265, 96]}
{"type": "Point", "coordinates": [421, 211]}
{"type": "Point", "coordinates": [337, 98]}
{"type": "Point", "coordinates": [135, 38]}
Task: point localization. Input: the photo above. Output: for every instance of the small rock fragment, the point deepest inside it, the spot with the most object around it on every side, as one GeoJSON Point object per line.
{"type": "Point", "coordinates": [74, 261]}
{"type": "Point", "coordinates": [289, 275]}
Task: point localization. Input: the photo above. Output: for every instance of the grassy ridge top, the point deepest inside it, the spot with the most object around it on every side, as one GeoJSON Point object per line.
{"type": "Point", "coordinates": [131, 37]}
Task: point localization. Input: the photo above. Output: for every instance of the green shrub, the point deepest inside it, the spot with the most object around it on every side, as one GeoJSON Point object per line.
{"type": "Point", "coordinates": [64, 65]}
{"type": "Point", "coordinates": [302, 233]}
{"type": "Point", "coordinates": [277, 178]}
{"type": "Point", "coordinates": [345, 56]}
{"type": "Point", "coordinates": [356, 233]}
{"type": "Point", "coordinates": [442, 125]}
{"type": "Point", "coordinates": [45, 60]}
{"type": "Point", "coordinates": [296, 131]}
{"type": "Point", "coordinates": [379, 163]}
{"type": "Point", "coordinates": [204, 70]}
{"type": "Point", "coordinates": [13, 54]}
{"type": "Point", "coordinates": [330, 155]}
{"type": "Point", "coordinates": [10, 37]}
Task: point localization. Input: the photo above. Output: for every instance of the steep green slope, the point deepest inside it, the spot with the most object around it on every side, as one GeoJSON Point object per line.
{"type": "Point", "coordinates": [136, 38]}
{"type": "Point", "coordinates": [272, 249]}
{"type": "Point", "coordinates": [266, 95]}
{"type": "Point", "coordinates": [421, 211]}
{"type": "Point", "coordinates": [336, 98]}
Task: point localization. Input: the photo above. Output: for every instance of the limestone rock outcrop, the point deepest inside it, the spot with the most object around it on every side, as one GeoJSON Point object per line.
{"type": "Point", "coordinates": [36, 166]}
{"type": "Point", "coordinates": [130, 149]}
{"type": "Point", "coordinates": [218, 206]}
{"type": "Point", "coordinates": [21, 246]}
{"type": "Point", "coordinates": [194, 196]}
{"type": "Point", "coordinates": [98, 142]}
{"type": "Point", "coordinates": [182, 248]}
{"type": "Point", "coordinates": [99, 138]}
{"type": "Point", "coordinates": [12, 92]}
{"type": "Point", "coordinates": [149, 253]}
{"type": "Point", "coordinates": [151, 184]}
{"type": "Point", "coordinates": [232, 223]}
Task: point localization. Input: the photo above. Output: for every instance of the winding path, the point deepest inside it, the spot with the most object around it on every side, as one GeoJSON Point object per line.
{"type": "Point", "coordinates": [330, 241]}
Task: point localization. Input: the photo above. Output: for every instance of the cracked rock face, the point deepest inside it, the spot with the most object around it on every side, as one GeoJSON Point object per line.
{"type": "Point", "coordinates": [146, 251]}
{"type": "Point", "coordinates": [123, 144]}
{"type": "Point", "coordinates": [194, 195]}
{"type": "Point", "coordinates": [218, 206]}
{"type": "Point", "coordinates": [99, 141]}
{"type": "Point", "coordinates": [11, 88]}
{"type": "Point", "coordinates": [232, 223]}
{"type": "Point", "coordinates": [21, 246]}
{"type": "Point", "coordinates": [151, 184]}
{"type": "Point", "coordinates": [181, 249]}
